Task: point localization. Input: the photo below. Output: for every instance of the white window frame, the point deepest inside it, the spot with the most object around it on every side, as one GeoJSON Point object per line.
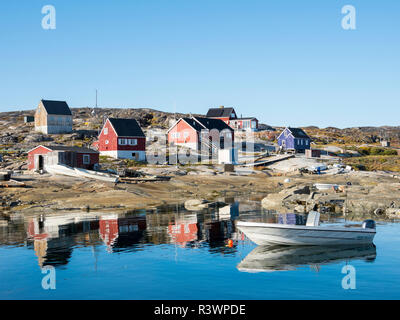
{"type": "Point", "coordinates": [86, 156]}
{"type": "Point", "coordinates": [132, 142]}
{"type": "Point", "coordinates": [106, 141]}
{"type": "Point", "coordinates": [122, 141]}
{"type": "Point", "coordinates": [106, 131]}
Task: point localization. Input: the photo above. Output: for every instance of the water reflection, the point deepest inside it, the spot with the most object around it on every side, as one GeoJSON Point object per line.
{"type": "Point", "coordinates": [54, 236]}
{"type": "Point", "coordinates": [282, 258]}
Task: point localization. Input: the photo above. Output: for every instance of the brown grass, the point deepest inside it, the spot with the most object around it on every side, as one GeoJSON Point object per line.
{"type": "Point", "coordinates": [372, 163]}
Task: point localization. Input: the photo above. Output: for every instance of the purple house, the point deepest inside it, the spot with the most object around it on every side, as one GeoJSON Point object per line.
{"type": "Point", "coordinates": [294, 139]}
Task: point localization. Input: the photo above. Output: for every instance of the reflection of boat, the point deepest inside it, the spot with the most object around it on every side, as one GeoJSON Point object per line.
{"type": "Point", "coordinates": [274, 258]}
{"type": "Point", "coordinates": [310, 234]}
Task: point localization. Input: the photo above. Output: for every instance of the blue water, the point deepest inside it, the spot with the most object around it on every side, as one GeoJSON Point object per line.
{"type": "Point", "coordinates": [175, 254]}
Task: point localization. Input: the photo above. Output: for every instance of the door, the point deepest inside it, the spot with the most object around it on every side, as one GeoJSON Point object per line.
{"type": "Point", "coordinates": [41, 163]}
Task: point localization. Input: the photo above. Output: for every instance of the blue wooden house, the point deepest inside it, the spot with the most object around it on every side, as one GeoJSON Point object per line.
{"type": "Point", "coordinates": [294, 139]}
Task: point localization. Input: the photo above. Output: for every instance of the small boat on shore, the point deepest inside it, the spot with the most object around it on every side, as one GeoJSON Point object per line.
{"type": "Point", "coordinates": [326, 186]}
{"type": "Point", "coordinates": [96, 175]}
{"type": "Point", "coordinates": [80, 173]}
{"type": "Point", "coordinates": [310, 234]}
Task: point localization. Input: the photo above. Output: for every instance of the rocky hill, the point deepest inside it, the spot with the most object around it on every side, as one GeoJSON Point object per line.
{"type": "Point", "coordinates": [17, 137]}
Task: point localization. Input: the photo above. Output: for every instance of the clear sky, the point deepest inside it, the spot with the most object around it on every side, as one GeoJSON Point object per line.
{"type": "Point", "coordinates": [285, 62]}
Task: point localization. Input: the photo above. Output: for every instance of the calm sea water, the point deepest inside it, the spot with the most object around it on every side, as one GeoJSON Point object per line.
{"type": "Point", "coordinates": [172, 253]}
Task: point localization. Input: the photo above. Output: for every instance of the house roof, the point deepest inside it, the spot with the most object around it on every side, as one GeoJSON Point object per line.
{"type": "Point", "coordinates": [219, 112]}
{"type": "Point", "coordinates": [66, 148]}
{"type": "Point", "coordinates": [213, 124]}
{"type": "Point", "coordinates": [194, 124]}
{"type": "Point", "coordinates": [298, 133]}
{"type": "Point", "coordinates": [56, 107]}
{"type": "Point", "coordinates": [246, 118]}
{"type": "Point", "coordinates": [199, 123]}
{"type": "Point", "coordinates": [126, 127]}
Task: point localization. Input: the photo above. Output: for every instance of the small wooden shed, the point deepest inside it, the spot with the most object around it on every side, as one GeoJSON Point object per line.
{"type": "Point", "coordinates": [76, 157]}
{"type": "Point", "coordinates": [313, 153]}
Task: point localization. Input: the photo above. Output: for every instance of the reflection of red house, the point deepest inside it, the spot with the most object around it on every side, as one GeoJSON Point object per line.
{"type": "Point", "coordinates": [109, 231]}
{"type": "Point", "coordinates": [34, 232]}
{"type": "Point", "coordinates": [182, 233]}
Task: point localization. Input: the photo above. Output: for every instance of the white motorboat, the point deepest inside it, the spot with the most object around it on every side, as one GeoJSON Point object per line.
{"type": "Point", "coordinates": [61, 169]}
{"type": "Point", "coordinates": [96, 175]}
{"type": "Point", "coordinates": [285, 258]}
{"type": "Point", "coordinates": [310, 234]}
{"type": "Point", "coordinates": [326, 186]}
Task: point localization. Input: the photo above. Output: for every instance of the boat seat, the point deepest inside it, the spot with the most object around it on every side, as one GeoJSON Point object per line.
{"type": "Point", "coordinates": [313, 219]}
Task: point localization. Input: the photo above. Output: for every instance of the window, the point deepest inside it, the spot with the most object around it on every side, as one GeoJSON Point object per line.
{"type": "Point", "coordinates": [107, 141]}
{"type": "Point", "coordinates": [186, 134]}
{"type": "Point", "coordinates": [175, 135]}
{"type": "Point", "coordinates": [132, 142]}
{"type": "Point", "coordinates": [86, 159]}
{"type": "Point", "coordinates": [122, 142]}
{"type": "Point", "coordinates": [105, 131]}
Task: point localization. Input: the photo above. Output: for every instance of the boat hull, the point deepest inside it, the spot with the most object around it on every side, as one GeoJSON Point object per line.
{"type": "Point", "coordinates": [267, 234]}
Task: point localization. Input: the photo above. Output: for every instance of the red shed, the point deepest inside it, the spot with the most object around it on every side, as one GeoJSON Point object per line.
{"type": "Point", "coordinates": [76, 157]}
{"type": "Point", "coordinates": [122, 139]}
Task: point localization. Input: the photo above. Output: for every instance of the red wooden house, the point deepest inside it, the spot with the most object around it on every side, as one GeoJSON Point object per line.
{"type": "Point", "coordinates": [192, 132]}
{"type": "Point", "coordinates": [76, 157]}
{"type": "Point", "coordinates": [122, 139]}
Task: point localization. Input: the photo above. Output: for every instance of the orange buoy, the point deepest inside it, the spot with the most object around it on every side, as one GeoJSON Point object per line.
{"type": "Point", "coordinates": [230, 243]}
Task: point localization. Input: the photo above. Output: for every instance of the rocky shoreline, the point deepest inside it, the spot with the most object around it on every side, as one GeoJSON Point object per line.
{"type": "Point", "coordinates": [356, 194]}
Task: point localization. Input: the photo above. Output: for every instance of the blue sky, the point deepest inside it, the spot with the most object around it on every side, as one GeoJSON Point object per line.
{"type": "Point", "coordinates": [285, 62]}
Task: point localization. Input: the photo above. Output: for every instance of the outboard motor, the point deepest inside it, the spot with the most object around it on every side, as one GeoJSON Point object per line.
{"type": "Point", "coordinates": [369, 224]}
